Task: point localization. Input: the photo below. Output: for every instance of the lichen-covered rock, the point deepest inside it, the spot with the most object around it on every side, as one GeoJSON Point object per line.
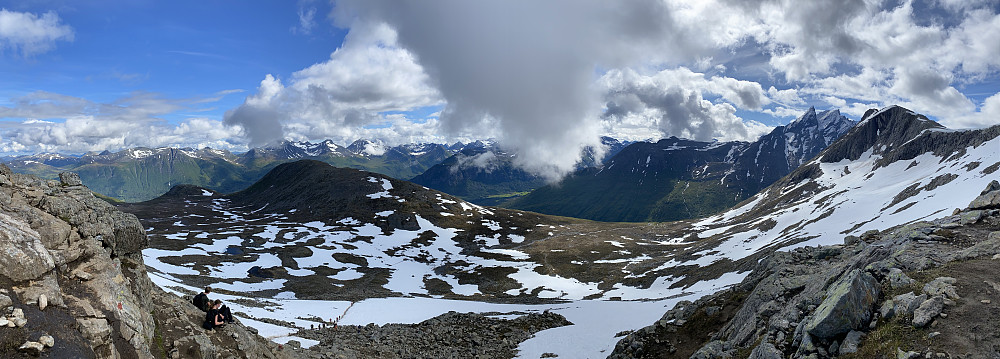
{"type": "Point", "coordinates": [851, 342]}
{"type": "Point", "coordinates": [765, 351]}
{"type": "Point", "coordinates": [713, 350]}
{"type": "Point", "coordinates": [70, 179]}
{"type": "Point", "coordinates": [898, 279]}
{"type": "Point", "coordinates": [942, 286]}
{"type": "Point", "coordinates": [5, 302]}
{"type": "Point", "coordinates": [847, 306]}
{"type": "Point", "coordinates": [23, 256]}
{"type": "Point", "coordinates": [927, 311]}
{"type": "Point", "coordinates": [905, 304]}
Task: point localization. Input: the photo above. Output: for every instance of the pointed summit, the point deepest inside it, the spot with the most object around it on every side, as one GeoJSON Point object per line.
{"type": "Point", "coordinates": [880, 131]}
{"type": "Point", "coordinates": [808, 117]}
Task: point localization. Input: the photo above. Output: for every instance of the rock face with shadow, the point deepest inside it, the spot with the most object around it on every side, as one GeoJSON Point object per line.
{"type": "Point", "coordinates": [73, 283]}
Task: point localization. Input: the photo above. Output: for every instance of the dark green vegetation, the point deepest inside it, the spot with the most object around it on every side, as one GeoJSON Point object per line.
{"type": "Point", "coordinates": [481, 176]}
{"type": "Point", "coordinates": [676, 179]}
{"type": "Point", "coordinates": [644, 182]}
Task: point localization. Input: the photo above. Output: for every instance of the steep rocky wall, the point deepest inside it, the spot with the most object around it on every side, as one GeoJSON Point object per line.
{"type": "Point", "coordinates": [73, 283]}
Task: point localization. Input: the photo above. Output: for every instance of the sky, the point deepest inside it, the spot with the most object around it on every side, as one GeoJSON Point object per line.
{"type": "Point", "coordinates": [544, 78]}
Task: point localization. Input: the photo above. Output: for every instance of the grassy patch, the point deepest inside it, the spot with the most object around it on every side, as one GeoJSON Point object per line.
{"type": "Point", "coordinates": [886, 338]}
{"type": "Point", "coordinates": [158, 347]}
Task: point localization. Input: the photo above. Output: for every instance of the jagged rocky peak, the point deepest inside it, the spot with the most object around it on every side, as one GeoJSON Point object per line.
{"type": "Point", "coordinates": [881, 131]}
{"type": "Point", "coordinates": [809, 134]}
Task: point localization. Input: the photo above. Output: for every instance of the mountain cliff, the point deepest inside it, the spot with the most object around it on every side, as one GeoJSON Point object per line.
{"type": "Point", "coordinates": [675, 179]}
{"type": "Point", "coordinates": [73, 282]}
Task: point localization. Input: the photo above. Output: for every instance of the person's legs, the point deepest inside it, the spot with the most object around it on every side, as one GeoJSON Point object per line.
{"type": "Point", "coordinates": [226, 313]}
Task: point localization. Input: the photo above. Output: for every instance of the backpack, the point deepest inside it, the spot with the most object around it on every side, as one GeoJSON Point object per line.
{"type": "Point", "coordinates": [201, 302]}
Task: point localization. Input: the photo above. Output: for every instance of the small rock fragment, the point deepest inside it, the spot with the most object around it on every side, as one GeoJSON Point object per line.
{"type": "Point", "coordinates": [47, 341]}
{"type": "Point", "coordinates": [985, 301]}
{"type": "Point", "coordinates": [933, 334]}
{"type": "Point", "coordinates": [43, 302]}
{"type": "Point", "coordinates": [900, 354]}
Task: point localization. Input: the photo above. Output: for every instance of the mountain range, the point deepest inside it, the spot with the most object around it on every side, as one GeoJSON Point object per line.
{"type": "Point", "coordinates": [676, 179]}
{"type": "Point", "coordinates": [139, 174]}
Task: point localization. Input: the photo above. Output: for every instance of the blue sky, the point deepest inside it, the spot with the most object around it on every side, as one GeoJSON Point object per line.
{"type": "Point", "coordinates": [176, 49]}
{"type": "Point", "coordinates": [545, 78]}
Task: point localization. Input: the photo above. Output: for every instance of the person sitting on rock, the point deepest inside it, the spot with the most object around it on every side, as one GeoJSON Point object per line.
{"type": "Point", "coordinates": [217, 316]}
{"type": "Point", "coordinates": [201, 300]}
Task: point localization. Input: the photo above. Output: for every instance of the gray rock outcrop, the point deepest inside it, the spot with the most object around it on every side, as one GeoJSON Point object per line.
{"type": "Point", "coordinates": [847, 306]}
{"type": "Point", "coordinates": [989, 198]}
{"type": "Point", "coordinates": [72, 267]}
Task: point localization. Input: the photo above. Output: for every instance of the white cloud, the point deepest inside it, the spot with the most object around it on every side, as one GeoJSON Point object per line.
{"type": "Point", "coordinates": [60, 123]}
{"type": "Point", "coordinates": [988, 115]}
{"type": "Point", "coordinates": [672, 100]}
{"type": "Point", "coordinates": [31, 34]}
{"type": "Point", "coordinates": [337, 98]}
{"type": "Point", "coordinates": [307, 18]}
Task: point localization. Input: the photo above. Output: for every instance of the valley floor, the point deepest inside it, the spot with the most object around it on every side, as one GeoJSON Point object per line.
{"type": "Point", "coordinates": [592, 335]}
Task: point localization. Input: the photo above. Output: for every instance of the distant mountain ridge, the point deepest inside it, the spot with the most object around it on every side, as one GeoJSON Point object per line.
{"type": "Point", "coordinates": [485, 174]}
{"type": "Point", "coordinates": [138, 174]}
{"type": "Point", "coordinates": [675, 179]}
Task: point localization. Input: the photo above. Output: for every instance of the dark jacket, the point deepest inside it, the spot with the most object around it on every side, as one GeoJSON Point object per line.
{"type": "Point", "coordinates": [210, 319]}
{"type": "Point", "coordinates": [201, 302]}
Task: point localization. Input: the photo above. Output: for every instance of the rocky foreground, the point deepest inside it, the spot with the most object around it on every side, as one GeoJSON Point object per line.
{"type": "Point", "coordinates": [925, 290]}
{"type": "Point", "coordinates": [450, 335]}
{"type": "Point", "coordinates": [73, 283]}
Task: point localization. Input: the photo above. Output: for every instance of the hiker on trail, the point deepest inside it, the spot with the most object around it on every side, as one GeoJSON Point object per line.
{"type": "Point", "coordinates": [201, 300]}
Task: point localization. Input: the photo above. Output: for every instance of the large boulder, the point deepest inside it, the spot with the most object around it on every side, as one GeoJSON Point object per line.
{"type": "Point", "coordinates": [23, 256]}
{"type": "Point", "coordinates": [847, 305]}
{"type": "Point", "coordinates": [927, 311]}
{"type": "Point", "coordinates": [989, 198]}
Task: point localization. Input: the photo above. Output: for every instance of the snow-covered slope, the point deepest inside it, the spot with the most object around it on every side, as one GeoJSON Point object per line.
{"type": "Point", "coordinates": [893, 168]}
